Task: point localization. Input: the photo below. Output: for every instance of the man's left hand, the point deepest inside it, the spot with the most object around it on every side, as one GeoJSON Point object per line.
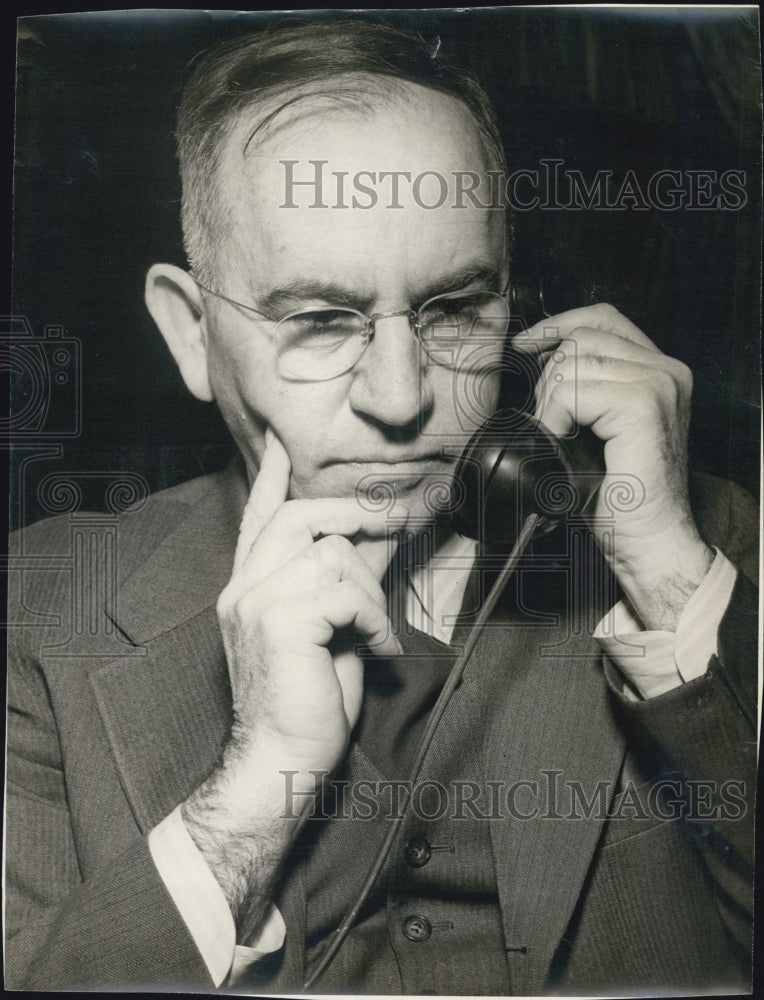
{"type": "Point", "coordinates": [601, 371]}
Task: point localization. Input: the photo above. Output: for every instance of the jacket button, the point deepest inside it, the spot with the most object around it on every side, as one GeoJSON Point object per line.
{"type": "Point", "coordinates": [417, 852]}
{"type": "Point", "coordinates": [417, 928]}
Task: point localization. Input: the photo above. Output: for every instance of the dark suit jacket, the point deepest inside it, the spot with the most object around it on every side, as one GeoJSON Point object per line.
{"type": "Point", "coordinates": [119, 708]}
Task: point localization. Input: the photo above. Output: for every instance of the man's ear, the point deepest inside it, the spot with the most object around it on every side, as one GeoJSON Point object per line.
{"type": "Point", "coordinates": [175, 303]}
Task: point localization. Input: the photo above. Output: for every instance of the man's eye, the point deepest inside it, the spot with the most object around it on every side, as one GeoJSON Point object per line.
{"type": "Point", "coordinates": [327, 321]}
{"type": "Point", "coordinates": [320, 328]}
{"type": "Point", "coordinates": [450, 312]}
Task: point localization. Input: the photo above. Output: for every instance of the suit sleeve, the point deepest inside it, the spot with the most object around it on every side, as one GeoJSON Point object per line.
{"type": "Point", "coordinates": [119, 928]}
{"type": "Point", "coordinates": [703, 736]}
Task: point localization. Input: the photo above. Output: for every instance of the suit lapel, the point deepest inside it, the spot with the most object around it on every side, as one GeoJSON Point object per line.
{"type": "Point", "coordinates": [167, 712]}
{"type": "Point", "coordinates": [167, 716]}
{"type": "Point", "coordinates": [555, 729]}
{"type": "Point", "coordinates": [189, 567]}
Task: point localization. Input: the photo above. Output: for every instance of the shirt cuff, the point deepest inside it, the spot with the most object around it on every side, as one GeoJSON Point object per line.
{"type": "Point", "coordinates": [655, 661]}
{"type": "Point", "coordinates": [268, 939]}
{"type": "Point", "coordinates": [203, 906]}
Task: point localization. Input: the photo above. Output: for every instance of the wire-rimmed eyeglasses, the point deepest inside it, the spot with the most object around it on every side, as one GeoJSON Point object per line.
{"type": "Point", "coordinates": [458, 329]}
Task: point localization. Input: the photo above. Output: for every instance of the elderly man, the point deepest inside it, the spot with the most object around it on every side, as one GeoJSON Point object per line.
{"type": "Point", "coordinates": [346, 308]}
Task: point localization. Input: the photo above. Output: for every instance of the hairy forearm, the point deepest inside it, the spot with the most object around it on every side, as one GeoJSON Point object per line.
{"type": "Point", "coordinates": [659, 584]}
{"type": "Point", "coordinates": [239, 823]}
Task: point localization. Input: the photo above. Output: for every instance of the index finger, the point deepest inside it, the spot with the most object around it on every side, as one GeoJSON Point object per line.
{"type": "Point", "coordinates": [269, 493]}
{"type": "Point", "coordinates": [548, 332]}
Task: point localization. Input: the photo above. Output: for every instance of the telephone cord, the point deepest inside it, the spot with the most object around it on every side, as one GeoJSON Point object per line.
{"type": "Point", "coordinates": [452, 682]}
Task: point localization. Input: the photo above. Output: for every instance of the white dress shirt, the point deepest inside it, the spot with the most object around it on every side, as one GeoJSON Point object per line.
{"type": "Point", "coordinates": [652, 663]}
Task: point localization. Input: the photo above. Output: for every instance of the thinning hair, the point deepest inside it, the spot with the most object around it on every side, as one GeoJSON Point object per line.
{"type": "Point", "coordinates": [279, 63]}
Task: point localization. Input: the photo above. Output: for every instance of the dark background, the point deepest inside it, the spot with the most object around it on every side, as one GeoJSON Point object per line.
{"type": "Point", "coordinates": [97, 201]}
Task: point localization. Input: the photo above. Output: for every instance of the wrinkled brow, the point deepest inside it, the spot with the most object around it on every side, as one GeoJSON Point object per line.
{"type": "Point", "coordinates": [286, 114]}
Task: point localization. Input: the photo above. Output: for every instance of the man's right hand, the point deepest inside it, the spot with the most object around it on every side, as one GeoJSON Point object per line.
{"type": "Point", "coordinates": [298, 576]}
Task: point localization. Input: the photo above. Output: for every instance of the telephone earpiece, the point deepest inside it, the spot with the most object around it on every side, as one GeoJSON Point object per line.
{"type": "Point", "coordinates": [512, 467]}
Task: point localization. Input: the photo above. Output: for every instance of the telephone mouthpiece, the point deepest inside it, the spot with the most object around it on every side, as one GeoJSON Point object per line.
{"type": "Point", "coordinates": [513, 467]}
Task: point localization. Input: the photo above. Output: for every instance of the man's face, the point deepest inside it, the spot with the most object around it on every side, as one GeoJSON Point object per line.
{"type": "Point", "coordinates": [389, 418]}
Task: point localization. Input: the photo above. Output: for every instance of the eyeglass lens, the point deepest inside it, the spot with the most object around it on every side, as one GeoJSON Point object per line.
{"type": "Point", "coordinates": [321, 344]}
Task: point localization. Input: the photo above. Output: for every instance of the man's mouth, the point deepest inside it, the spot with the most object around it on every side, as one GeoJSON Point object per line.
{"type": "Point", "coordinates": [428, 477]}
{"type": "Point", "coordinates": [391, 463]}
{"type": "Point", "coordinates": [381, 474]}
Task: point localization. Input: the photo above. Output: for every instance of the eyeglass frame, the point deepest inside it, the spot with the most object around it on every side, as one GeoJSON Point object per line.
{"type": "Point", "coordinates": [369, 320]}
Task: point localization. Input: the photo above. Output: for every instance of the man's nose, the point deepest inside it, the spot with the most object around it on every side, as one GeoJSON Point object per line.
{"type": "Point", "coordinates": [391, 384]}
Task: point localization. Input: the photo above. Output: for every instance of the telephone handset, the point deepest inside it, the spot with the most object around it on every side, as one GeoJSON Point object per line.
{"type": "Point", "coordinates": [514, 467]}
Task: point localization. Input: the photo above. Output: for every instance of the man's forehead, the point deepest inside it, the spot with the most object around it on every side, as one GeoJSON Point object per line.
{"type": "Point", "coordinates": [360, 194]}
{"type": "Point", "coordinates": [379, 127]}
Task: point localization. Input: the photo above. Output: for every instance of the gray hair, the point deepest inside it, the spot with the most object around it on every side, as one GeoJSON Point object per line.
{"type": "Point", "coordinates": [277, 63]}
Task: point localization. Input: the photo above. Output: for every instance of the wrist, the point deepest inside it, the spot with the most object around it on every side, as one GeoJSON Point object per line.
{"type": "Point", "coordinates": [245, 798]}
{"type": "Point", "coordinates": [659, 582]}
{"type": "Point", "coordinates": [256, 750]}
{"type": "Point", "coordinates": [238, 821]}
